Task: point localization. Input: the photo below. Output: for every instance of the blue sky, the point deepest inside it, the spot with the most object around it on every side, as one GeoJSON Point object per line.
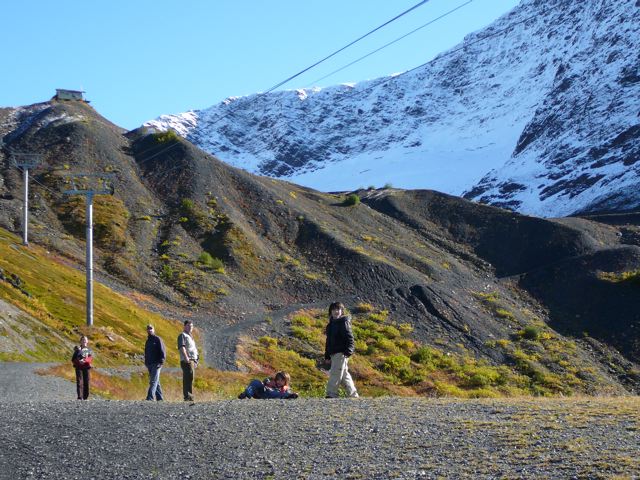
{"type": "Point", "coordinates": [139, 59]}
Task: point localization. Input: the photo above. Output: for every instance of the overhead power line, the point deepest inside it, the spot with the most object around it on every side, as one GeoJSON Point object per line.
{"type": "Point", "coordinates": [353, 93]}
{"type": "Point", "coordinates": [346, 46]}
{"type": "Point", "coordinates": [288, 79]}
{"type": "Point", "coordinates": [357, 93]}
{"type": "Point", "coordinates": [392, 42]}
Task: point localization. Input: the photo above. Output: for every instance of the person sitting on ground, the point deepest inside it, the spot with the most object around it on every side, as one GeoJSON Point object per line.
{"type": "Point", "coordinates": [268, 388]}
{"type": "Point", "coordinates": [81, 360]}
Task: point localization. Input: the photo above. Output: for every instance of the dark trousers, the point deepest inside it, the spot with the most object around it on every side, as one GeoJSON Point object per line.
{"type": "Point", "coordinates": [187, 379]}
{"type": "Point", "coordinates": [82, 383]}
{"type": "Point", "coordinates": [255, 389]}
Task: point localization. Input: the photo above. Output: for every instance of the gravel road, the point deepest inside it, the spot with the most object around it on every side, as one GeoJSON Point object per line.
{"type": "Point", "coordinates": [317, 438]}
{"type": "Point", "coordinates": [20, 381]}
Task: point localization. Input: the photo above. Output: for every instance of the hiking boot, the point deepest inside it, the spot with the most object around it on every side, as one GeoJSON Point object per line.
{"type": "Point", "coordinates": [242, 396]}
{"type": "Point", "coordinates": [292, 395]}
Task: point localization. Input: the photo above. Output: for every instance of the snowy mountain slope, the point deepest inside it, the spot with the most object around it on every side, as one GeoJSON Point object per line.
{"type": "Point", "coordinates": [510, 118]}
{"type": "Point", "coordinates": [581, 151]}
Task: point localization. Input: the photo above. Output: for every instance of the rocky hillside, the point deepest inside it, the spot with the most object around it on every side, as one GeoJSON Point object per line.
{"type": "Point", "coordinates": [461, 284]}
{"type": "Point", "coordinates": [537, 113]}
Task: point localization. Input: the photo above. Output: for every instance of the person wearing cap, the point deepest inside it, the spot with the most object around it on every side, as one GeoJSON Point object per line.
{"type": "Point", "coordinates": [188, 359]}
{"type": "Point", "coordinates": [154, 356]}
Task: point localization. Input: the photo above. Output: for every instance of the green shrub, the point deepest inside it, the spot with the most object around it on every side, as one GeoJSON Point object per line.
{"type": "Point", "coordinates": [405, 328]}
{"type": "Point", "coordinates": [284, 258]}
{"type": "Point", "coordinates": [166, 273]}
{"type": "Point", "coordinates": [268, 342]}
{"type": "Point", "coordinates": [406, 344]}
{"type": "Point", "coordinates": [361, 346]}
{"type": "Point", "coordinates": [478, 380]}
{"type": "Point", "coordinates": [167, 136]}
{"type": "Point", "coordinates": [480, 377]}
{"type": "Point", "coordinates": [363, 308]}
{"type": "Point", "coordinates": [632, 277]}
{"type": "Point", "coordinates": [187, 204]}
{"type": "Point", "coordinates": [379, 317]}
{"type": "Point", "coordinates": [506, 314]}
{"type": "Point", "coordinates": [302, 320]}
{"type": "Point", "coordinates": [302, 333]}
{"type": "Point", "coordinates": [530, 332]}
{"type": "Point", "coordinates": [351, 200]}
{"type": "Point", "coordinates": [208, 261]}
{"type": "Point", "coordinates": [391, 332]}
{"type": "Point", "coordinates": [385, 344]}
{"type": "Point", "coordinates": [194, 218]}
{"type": "Point", "coordinates": [424, 355]}
{"type": "Point", "coordinates": [396, 363]}
{"type": "Point", "coordinates": [489, 298]}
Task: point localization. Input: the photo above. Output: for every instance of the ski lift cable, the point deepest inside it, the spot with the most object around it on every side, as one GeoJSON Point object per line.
{"type": "Point", "coordinates": [355, 93]}
{"type": "Point", "coordinates": [419, 4]}
{"type": "Point", "coordinates": [446, 14]}
{"type": "Point", "coordinates": [279, 84]}
{"type": "Point", "coordinates": [391, 43]}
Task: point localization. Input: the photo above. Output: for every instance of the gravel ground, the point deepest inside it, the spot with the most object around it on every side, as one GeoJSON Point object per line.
{"type": "Point", "coordinates": [19, 382]}
{"type": "Point", "coordinates": [317, 438]}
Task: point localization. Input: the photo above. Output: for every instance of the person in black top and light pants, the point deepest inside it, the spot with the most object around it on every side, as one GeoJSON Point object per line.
{"type": "Point", "coordinates": [338, 348]}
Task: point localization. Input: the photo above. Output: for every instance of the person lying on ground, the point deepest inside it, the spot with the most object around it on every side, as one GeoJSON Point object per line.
{"type": "Point", "coordinates": [268, 388]}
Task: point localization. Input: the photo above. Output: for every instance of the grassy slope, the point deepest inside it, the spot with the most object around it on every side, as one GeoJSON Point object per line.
{"type": "Point", "coordinates": [388, 360]}
{"type": "Point", "coordinates": [58, 302]}
{"type": "Point", "coordinates": [55, 316]}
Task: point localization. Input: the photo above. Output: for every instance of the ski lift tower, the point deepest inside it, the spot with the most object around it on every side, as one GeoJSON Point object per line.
{"type": "Point", "coordinates": [89, 185]}
{"type": "Point", "coordinates": [25, 161]}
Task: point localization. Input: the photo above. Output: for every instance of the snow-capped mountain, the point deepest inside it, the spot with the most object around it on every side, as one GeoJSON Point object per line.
{"type": "Point", "coordinates": [539, 112]}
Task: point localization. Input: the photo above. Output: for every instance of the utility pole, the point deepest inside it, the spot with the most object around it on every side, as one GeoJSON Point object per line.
{"type": "Point", "coordinates": [25, 161]}
{"type": "Point", "coordinates": [89, 185]}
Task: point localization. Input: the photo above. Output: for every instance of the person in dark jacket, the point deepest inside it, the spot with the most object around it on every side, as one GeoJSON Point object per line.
{"type": "Point", "coordinates": [154, 356]}
{"type": "Point", "coordinates": [338, 348]}
{"type": "Point", "coordinates": [268, 388]}
{"type": "Point", "coordinates": [81, 360]}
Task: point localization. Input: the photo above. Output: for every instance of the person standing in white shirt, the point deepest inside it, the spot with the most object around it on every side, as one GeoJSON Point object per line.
{"type": "Point", "coordinates": [188, 359]}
